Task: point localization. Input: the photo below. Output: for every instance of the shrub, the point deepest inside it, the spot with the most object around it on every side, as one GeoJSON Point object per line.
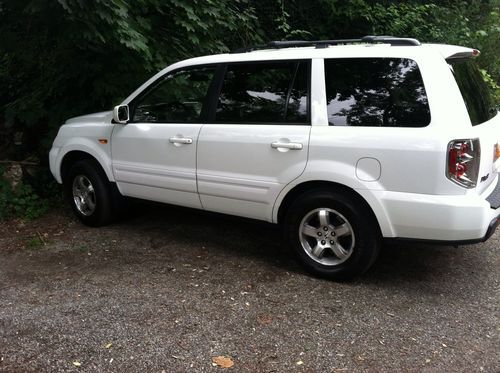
{"type": "Point", "coordinates": [21, 201]}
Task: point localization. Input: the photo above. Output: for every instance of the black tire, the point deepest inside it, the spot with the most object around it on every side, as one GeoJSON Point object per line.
{"type": "Point", "coordinates": [102, 213]}
{"type": "Point", "coordinates": [363, 240]}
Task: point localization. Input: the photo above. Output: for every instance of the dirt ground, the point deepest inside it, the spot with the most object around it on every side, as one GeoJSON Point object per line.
{"type": "Point", "coordinates": [171, 289]}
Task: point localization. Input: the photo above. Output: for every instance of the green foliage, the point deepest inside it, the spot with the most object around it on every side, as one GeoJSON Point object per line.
{"type": "Point", "coordinates": [22, 202]}
{"type": "Point", "coordinates": [68, 57]}
{"type": "Point", "coordinates": [494, 87]}
{"type": "Point", "coordinates": [473, 24]}
{"type": "Point", "coordinates": [405, 19]}
{"type": "Point", "coordinates": [469, 23]}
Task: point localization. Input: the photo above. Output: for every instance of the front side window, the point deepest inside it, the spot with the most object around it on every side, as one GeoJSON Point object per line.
{"type": "Point", "coordinates": [375, 92]}
{"type": "Point", "coordinates": [177, 98]}
{"type": "Point", "coordinates": [264, 92]}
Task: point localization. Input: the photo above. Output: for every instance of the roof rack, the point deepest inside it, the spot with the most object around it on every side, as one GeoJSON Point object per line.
{"type": "Point", "coordinates": [369, 39]}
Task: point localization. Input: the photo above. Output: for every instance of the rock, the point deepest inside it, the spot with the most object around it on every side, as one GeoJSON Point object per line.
{"type": "Point", "coordinates": [14, 175]}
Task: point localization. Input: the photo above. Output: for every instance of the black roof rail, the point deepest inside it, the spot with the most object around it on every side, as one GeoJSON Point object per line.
{"type": "Point", "coordinates": [392, 40]}
{"type": "Point", "coordinates": [369, 39]}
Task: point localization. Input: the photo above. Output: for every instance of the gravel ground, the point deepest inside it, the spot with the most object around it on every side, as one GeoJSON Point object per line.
{"type": "Point", "coordinates": [171, 289]}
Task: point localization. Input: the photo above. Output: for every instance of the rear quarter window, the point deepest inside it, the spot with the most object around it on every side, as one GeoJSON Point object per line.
{"type": "Point", "coordinates": [375, 92]}
{"type": "Point", "coordinates": [477, 97]}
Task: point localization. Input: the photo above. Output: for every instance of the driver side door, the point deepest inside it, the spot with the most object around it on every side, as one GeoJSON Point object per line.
{"type": "Point", "coordinates": [154, 155]}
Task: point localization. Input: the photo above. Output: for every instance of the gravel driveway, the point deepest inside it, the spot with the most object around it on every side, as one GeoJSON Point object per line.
{"type": "Point", "coordinates": [170, 289]}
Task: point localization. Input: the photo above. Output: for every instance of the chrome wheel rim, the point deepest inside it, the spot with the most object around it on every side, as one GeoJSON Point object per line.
{"type": "Point", "coordinates": [326, 236]}
{"type": "Point", "coordinates": [84, 195]}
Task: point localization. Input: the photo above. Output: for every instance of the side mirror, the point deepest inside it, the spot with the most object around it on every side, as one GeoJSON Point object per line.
{"type": "Point", "coordinates": [120, 114]}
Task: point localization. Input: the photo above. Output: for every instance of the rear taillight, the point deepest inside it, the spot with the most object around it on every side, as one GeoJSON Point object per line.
{"type": "Point", "coordinates": [463, 162]}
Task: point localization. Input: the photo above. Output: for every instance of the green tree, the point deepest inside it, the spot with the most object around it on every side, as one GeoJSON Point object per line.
{"type": "Point", "coordinates": [64, 58]}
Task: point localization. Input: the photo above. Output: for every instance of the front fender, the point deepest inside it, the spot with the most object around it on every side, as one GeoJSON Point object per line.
{"type": "Point", "coordinates": [101, 152]}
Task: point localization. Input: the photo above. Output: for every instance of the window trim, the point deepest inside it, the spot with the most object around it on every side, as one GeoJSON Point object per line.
{"type": "Point", "coordinates": [205, 104]}
{"type": "Point", "coordinates": [215, 90]}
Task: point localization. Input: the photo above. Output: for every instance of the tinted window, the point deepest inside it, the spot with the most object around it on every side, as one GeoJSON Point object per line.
{"type": "Point", "coordinates": [383, 92]}
{"type": "Point", "coordinates": [264, 93]}
{"type": "Point", "coordinates": [475, 92]}
{"type": "Point", "coordinates": [178, 98]}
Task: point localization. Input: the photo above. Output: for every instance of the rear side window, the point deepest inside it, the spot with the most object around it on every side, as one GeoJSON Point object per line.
{"type": "Point", "coordinates": [264, 92]}
{"type": "Point", "coordinates": [475, 92]}
{"type": "Point", "coordinates": [375, 92]}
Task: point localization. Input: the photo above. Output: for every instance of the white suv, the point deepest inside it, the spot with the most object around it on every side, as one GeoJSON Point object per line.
{"type": "Point", "coordinates": [342, 142]}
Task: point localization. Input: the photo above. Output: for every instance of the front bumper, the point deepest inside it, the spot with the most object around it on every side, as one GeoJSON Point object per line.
{"type": "Point", "coordinates": [54, 169]}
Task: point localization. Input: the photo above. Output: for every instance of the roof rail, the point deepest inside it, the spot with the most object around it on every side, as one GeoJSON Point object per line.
{"type": "Point", "coordinates": [369, 39]}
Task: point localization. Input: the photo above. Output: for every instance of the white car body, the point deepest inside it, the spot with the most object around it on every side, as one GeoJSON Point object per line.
{"type": "Point", "coordinates": [233, 169]}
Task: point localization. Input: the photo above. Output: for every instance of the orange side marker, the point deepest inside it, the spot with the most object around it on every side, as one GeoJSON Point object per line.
{"type": "Point", "coordinates": [103, 141]}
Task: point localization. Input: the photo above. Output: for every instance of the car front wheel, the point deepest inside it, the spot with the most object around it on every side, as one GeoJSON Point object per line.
{"type": "Point", "coordinates": [88, 192]}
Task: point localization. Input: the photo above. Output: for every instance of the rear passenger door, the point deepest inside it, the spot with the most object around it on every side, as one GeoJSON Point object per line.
{"type": "Point", "coordinates": [257, 137]}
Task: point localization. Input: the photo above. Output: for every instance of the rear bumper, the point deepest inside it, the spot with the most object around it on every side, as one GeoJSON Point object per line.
{"type": "Point", "coordinates": [458, 219]}
{"type": "Point", "coordinates": [491, 229]}
{"type": "Point", "coordinates": [494, 198]}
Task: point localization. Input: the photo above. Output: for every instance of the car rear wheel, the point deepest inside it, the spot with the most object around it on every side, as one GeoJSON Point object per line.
{"type": "Point", "coordinates": [332, 234]}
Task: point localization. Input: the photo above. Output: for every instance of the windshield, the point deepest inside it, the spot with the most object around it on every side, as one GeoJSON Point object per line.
{"type": "Point", "coordinates": [475, 92]}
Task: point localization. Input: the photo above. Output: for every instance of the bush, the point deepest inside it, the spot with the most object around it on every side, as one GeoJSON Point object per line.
{"type": "Point", "coordinates": [21, 201]}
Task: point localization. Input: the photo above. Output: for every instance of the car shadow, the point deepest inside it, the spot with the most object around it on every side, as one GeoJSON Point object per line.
{"type": "Point", "coordinates": [231, 235]}
{"type": "Point", "coordinates": [241, 237]}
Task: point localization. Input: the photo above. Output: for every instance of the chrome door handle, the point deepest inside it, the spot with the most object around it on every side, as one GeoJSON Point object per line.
{"type": "Point", "coordinates": [180, 140]}
{"type": "Point", "coordinates": [286, 145]}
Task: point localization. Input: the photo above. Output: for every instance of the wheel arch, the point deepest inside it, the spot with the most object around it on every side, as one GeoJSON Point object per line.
{"type": "Point", "coordinates": [73, 156]}
{"type": "Point", "coordinates": [316, 185]}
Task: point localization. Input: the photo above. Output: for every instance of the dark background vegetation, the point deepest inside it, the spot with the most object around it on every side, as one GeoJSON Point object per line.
{"type": "Point", "coordinates": [64, 58]}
